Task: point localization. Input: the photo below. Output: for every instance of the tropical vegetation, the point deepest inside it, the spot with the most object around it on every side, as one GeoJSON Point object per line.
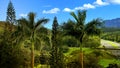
{"type": "Point", "coordinates": [26, 43]}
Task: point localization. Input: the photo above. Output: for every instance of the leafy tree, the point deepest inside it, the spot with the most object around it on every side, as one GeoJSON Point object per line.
{"type": "Point", "coordinates": [31, 28]}
{"type": "Point", "coordinates": [56, 59]}
{"type": "Point", "coordinates": [80, 29]}
{"type": "Point", "coordinates": [10, 53]}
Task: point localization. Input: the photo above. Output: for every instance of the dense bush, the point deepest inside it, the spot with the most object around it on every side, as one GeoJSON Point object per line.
{"type": "Point", "coordinates": [65, 49]}
{"type": "Point", "coordinates": [92, 42]}
{"type": "Point", "coordinates": [113, 66]}
{"type": "Point", "coordinates": [70, 41]}
{"type": "Point", "coordinates": [44, 58]}
{"type": "Point", "coordinates": [90, 60]}
{"type": "Point", "coordinates": [14, 58]}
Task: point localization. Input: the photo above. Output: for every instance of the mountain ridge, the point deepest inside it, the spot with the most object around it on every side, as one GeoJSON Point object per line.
{"type": "Point", "coordinates": [115, 23]}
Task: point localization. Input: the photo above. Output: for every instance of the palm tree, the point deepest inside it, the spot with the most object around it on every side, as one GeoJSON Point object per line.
{"type": "Point", "coordinates": [30, 29]}
{"type": "Point", "coordinates": [81, 29]}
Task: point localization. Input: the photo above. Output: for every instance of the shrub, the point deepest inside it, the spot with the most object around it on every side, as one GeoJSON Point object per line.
{"type": "Point", "coordinates": [92, 42]}
{"type": "Point", "coordinates": [90, 60]}
{"type": "Point", "coordinates": [65, 49]}
{"type": "Point", "coordinates": [14, 57]}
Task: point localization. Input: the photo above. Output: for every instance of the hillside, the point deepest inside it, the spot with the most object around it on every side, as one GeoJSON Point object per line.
{"type": "Point", "coordinates": [2, 24]}
{"type": "Point", "coordinates": [115, 23]}
{"type": "Point", "coordinates": [111, 25]}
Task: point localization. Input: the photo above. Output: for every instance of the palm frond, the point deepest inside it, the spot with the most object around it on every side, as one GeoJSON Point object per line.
{"type": "Point", "coordinates": [74, 16]}
{"type": "Point", "coordinates": [41, 21]}
{"type": "Point", "coordinates": [22, 22]}
{"type": "Point", "coordinates": [81, 17]}
{"type": "Point", "coordinates": [31, 17]}
{"type": "Point", "coordinates": [93, 27]}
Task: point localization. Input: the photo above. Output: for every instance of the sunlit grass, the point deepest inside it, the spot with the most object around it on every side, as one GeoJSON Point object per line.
{"type": "Point", "coordinates": [42, 66]}
{"type": "Point", "coordinates": [106, 62]}
{"type": "Point", "coordinates": [71, 49]}
{"type": "Point", "coordinates": [85, 50]}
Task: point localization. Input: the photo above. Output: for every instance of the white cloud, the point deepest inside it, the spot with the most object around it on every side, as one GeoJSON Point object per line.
{"type": "Point", "coordinates": [100, 3]}
{"type": "Point", "coordinates": [88, 6]}
{"type": "Point", "coordinates": [52, 11]}
{"type": "Point", "coordinates": [79, 8]}
{"type": "Point", "coordinates": [113, 1]}
{"type": "Point", "coordinates": [85, 6]}
{"type": "Point", "coordinates": [22, 15]}
{"type": "Point", "coordinates": [68, 10]}
{"type": "Point", "coordinates": [93, 5]}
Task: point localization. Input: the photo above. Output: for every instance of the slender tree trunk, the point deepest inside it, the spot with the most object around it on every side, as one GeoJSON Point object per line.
{"type": "Point", "coordinates": [32, 55]}
{"type": "Point", "coordinates": [81, 56]}
{"type": "Point", "coordinates": [81, 59]}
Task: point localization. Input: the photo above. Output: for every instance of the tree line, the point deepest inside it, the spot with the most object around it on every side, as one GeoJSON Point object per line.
{"type": "Point", "coordinates": [25, 37]}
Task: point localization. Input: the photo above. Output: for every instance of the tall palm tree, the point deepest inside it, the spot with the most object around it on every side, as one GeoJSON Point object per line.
{"type": "Point", "coordinates": [30, 29]}
{"type": "Point", "coordinates": [81, 29]}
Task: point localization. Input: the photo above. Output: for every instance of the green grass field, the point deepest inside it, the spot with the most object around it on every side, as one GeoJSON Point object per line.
{"type": "Point", "coordinates": [106, 62]}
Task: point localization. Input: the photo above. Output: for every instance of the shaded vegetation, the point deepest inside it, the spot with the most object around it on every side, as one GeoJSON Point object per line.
{"type": "Point", "coordinates": [113, 36]}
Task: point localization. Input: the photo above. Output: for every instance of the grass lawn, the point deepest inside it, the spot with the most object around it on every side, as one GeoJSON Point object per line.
{"type": "Point", "coordinates": [106, 62]}
{"type": "Point", "coordinates": [71, 49]}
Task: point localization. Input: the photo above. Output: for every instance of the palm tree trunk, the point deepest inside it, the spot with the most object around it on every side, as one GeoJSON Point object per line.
{"type": "Point", "coordinates": [32, 55]}
{"type": "Point", "coordinates": [81, 56]}
{"type": "Point", "coordinates": [81, 59]}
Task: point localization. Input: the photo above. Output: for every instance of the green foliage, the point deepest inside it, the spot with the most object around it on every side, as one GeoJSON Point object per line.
{"type": "Point", "coordinates": [79, 29]}
{"type": "Point", "coordinates": [56, 55]}
{"type": "Point", "coordinates": [15, 50]}
{"type": "Point", "coordinates": [30, 29]}
{"type": "Point", "coordinates": [112, 36]}
{"type": "Point", "coordinates": [91, 59]}
{"type": "Point", "coordinates": [65, 49]}
{"type": "Point", "coordinates": [92, 41]}
{"type": "Point", "coordinates": [2, 26]}
{"type": "Point", "coordinates": [106, 62]}
{"type": "Point", "coordinates": [91, 56]}
{"type": "Point", "coordinates": [70, 41]}
{"type": "Point", "coordinates": [11, 18]}
{"type": "Point", "coordinates": [12, 57]}
{"type": "Point", "coordinates": [110, 29]}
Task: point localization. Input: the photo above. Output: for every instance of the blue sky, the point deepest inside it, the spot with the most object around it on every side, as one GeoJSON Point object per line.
{"type": "Point", "coordinates": [105, 9]}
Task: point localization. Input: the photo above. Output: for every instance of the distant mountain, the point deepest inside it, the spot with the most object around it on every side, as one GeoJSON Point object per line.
{"type": "Point", "coordinates": [114, 23]}
{"type": "Point", "coordinates": [111, 25]}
